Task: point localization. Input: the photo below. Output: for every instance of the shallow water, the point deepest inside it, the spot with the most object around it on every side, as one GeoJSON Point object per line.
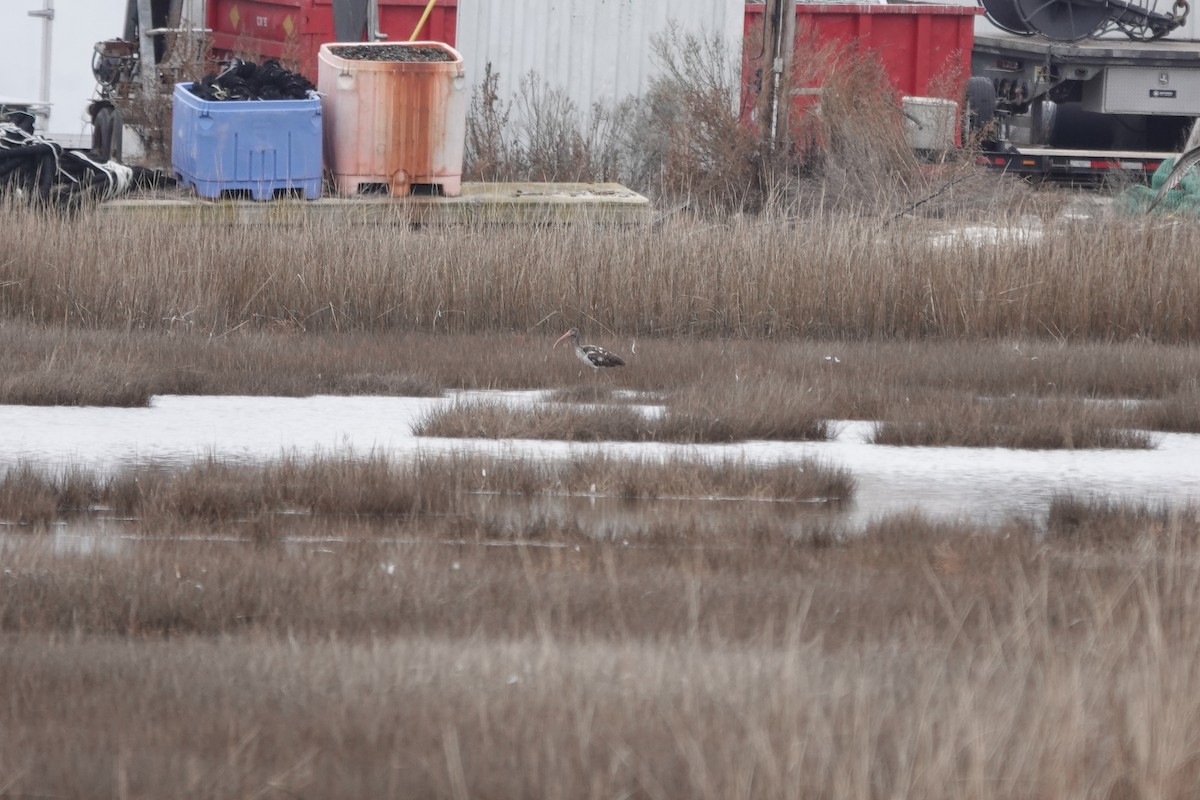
{"type": "Point", "coordinates": [986, 485]}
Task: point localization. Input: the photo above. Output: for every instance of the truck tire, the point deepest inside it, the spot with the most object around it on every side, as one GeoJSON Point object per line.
{"type": "Point", "coordinates": [106, 132]}
{"type": "Point", "coordinates": [980, 113]}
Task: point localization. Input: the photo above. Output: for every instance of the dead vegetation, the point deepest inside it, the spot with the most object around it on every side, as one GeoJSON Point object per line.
{"type": "Point", "coordinates": [918, 659]}
{"type": "Point", "coordinates": [1010, 394]}
{"type": "Point", "coordinates": [828, 278]}
{"type": "Point", "coordinates": [221, 494]}
{"type": "Point", "coordinates": [958, 420]}
{"type": "Point", "coordinates": [695, 144]}
{"type": "Point", "coordinates": [697, 418]}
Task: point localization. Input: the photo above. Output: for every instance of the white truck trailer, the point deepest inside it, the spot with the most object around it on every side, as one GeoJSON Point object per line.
{"type": "Point", "coordinates": [1078, 89]}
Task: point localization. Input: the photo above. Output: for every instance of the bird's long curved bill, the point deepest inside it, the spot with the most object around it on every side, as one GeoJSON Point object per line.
{"type": "Point", "coordinates": [560, 339]}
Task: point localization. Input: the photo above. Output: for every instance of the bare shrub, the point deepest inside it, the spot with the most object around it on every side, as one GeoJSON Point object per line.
{"type": "Point", "coordinates": [540, 135]}
{"type": "Point", "coordinates": [690, 144]}
{"type": "Point", "coordinates": [860, 151]}
{"type": "Point", "coordinates": [684, 143]}
{"type": "Point", "coordinates": [488, 150]}
{"type": "Point", "coordinates": [146, 105]}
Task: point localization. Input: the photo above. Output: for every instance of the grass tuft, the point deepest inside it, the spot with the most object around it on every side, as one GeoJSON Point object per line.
{"type": "Point", "coordinates": [216, 493]}
{"type": "Point", "coordinates": [492, 419]}
{"type": "Point", "coordinates": [696, 419]}
{"type": "Point", "coordinates": [32, 495]}
{"type": "Point", "coordinates": [957, 420]}
{"type": "Point", "coordinates": [1104, 522]}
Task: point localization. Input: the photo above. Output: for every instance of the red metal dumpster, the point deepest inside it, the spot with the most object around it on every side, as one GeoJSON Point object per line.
{"type": "Point", "coordinates": [925, 50]}
{"type": "Point", "coordinates": [294, 30]}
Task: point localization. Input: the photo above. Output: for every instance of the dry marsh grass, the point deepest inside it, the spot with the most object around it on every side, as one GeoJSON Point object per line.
{"type": "Point", "coordinates": [918, 660]}
{"type": "Point", "coordinates": [493, 419]}
{"type": "Point", "coordinates": [830, 277]}
{"type": "Point", "coordinates": [36, 496]}
{"type": "Point", "coordinates": [1106, 522]}
{"type": "Point", "coordinates": [1179, 411]}
{"type": "Point", "coordinates": [219, 493]}
{"type": "Point", "coordinates": [714, 390]}
{"type": "Point", "coordinates": [959, 420]}
{"type": "Point", "coordinates": [856, 376]}
{"type": "Point", "coordinates": [697, 417]}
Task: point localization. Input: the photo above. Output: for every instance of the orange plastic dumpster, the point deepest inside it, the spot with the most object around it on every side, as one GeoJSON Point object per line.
{"type": "Point", "coordinates": [395, 125]}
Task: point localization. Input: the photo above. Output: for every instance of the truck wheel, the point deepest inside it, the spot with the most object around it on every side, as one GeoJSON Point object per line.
{"type": "Point", "coordinates": [106, 131]}
{"type": "Point", "coordinates": [980, 113]}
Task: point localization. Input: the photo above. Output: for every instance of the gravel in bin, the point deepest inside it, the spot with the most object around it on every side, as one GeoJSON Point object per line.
{"type": "Point", "coordinates": [389, 52]}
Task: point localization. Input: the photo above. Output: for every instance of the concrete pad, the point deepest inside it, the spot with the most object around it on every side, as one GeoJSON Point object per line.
{"type": "Point", "coordinates": [479, 203]}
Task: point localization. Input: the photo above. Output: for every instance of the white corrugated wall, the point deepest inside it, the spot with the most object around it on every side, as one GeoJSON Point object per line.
{"type": "Point", "coordinates": [595, 50]}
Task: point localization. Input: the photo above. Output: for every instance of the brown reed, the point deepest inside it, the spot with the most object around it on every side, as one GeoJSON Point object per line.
{"type": "Point", "coordinates": [830, 277]}
{"type": "Point", "coordinates": [1106, 522]}
{"type": "Point", "coordinates": [853, 379]}
{"type": "Point", "coordinates": [955, 419]}
{"type": "Point", "coordinates": [213, 492]}
{"type": "Point", "coordinates": [695, 419]}
{"type": "Point", "coordinates": [918, 659]}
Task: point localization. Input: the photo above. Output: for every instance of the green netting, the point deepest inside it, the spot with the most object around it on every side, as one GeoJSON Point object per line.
{"type": "Point", "coordinates": [1183, 199]}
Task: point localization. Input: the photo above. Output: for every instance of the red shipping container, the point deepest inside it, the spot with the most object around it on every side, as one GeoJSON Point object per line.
{"type": "Point", "coordinates": [294, 30]}
{"type": "Point", "coordinates": [925, 50]}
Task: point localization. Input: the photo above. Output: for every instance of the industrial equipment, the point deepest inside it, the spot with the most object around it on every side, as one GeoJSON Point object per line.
{"type": "Point", "coordinates": [1082, 88]}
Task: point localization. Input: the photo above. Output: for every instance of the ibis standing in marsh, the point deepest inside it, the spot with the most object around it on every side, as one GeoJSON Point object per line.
{"type": "Point", "coordinates": [595, 357]}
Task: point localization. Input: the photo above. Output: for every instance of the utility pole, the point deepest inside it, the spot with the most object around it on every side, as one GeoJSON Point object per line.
{"type": "Point", "coordinates": [46, 12]}
{"type": "Point", "coordinates": [779, 37]}
{"type": "Point", "coordinates": [147, 61]}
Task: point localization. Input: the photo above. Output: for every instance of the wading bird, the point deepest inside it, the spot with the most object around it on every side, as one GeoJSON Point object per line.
{"type": "Point", "coordinates": [595, 357]}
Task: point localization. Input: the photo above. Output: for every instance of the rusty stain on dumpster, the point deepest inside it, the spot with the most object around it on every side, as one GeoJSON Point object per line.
{"type": "Point", "coordinates": [399, 126]}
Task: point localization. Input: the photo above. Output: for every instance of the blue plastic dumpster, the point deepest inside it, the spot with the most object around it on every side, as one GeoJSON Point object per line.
{"type": "Point", "coordinates": [260, 146]}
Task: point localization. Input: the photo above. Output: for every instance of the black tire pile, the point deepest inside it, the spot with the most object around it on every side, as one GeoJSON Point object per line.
{"type": "Point", "coordinates": [39, 172]}
{"type": "Point", "coordinates": [245, 80]}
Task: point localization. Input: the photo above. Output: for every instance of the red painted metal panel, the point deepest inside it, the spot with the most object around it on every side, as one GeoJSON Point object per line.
{"type": "Point", "coordinates": [925, 50]}
{"type": "Point", "coordinates": [294, 30]}
{"type": "Point", "coordinates": [398, 18]}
